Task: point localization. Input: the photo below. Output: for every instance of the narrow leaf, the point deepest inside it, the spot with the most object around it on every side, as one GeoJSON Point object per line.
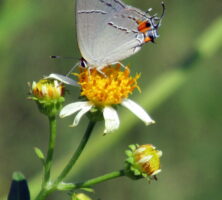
{"type": "Point", "coordinates": [39, 154]}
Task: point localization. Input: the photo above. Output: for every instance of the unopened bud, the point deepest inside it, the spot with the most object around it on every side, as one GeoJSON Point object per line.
{"type": "Point", "coordinates": [49, 95]}
{"type": "Point", "coordinates": [143, 161]}
{"type": "Point", "coordinates": [80, 196]}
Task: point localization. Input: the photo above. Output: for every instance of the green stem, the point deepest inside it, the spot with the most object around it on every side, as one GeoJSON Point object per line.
{"type": "Point", "coordinates": [45, 191]}
{"type": "Point", "coordinates": [76, 155]}
{"type": "Point", "coordinates": [99, 179]}
{"type": "Point", "coordinates": [42, 194]}
{"type": "Point", "coordinates": [48, 162]}
{"type": "Point", "coordinates": [52, 141]}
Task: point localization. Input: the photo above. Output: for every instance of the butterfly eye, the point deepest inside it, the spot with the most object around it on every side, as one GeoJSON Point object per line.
{"type": "Point", "coordinates": [148, 24]}
{"type": "Point", "coordinates": [83, 63]}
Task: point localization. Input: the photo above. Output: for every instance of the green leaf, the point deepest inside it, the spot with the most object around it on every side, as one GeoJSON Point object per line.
{"type": "Point", "coordinates": [39, 154]}
{"type": "Point", "coordinates": [19, 188]}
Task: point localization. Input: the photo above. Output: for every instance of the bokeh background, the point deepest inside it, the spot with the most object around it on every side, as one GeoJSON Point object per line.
{"type": "Point", "coordinates": [182, 88]}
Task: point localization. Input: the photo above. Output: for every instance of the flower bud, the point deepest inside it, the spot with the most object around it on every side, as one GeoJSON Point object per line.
{"type": "Point", "coordinates": [49, 95]}
{"type": "Point", "coordinates": [80, 196]}
{"type": "Point", "coordinates": [47, 89]}
{"type": "Point", "coordinates": [143, 161]}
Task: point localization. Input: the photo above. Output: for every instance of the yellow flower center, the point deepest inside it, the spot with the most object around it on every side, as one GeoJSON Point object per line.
{"type": "Point", "coordinates": [108, 87]}
{"type": "Point", "coordinates": [47, 89]}
{"type": "Point", "coordinates": [152, 165]}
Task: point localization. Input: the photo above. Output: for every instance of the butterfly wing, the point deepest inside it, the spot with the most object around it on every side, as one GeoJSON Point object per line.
{"type": "Point", "coordinates": [107, 31]}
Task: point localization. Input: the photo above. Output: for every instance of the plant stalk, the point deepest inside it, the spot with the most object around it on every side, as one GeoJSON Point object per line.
{"type": "Point", "coordinates": [77, 153]}
{"type": "Point", "coordinates": [99, 179]}
{"type": "Point", "coordinates": [49, 158]}
{"type": "Point", "coordinates": [51, 147]}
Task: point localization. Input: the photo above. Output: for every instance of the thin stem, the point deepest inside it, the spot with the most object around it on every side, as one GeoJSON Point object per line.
{"type": "Point", "coordinates": [99, 179]}
{"type": "Point", "coordinates": [48, 162]}
{"type": "Point", "coordinates": [46, 191]}
{"type": "Point", "coordinates": [76, 155]}
{"type": "Point", "coordinates": [51, 146]}
{"type": "Point", "coordinates": [42, 194]}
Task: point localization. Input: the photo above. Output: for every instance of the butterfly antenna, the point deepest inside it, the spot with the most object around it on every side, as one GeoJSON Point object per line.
{"type": "Point", "coordinates": [72, 69]}
{"type": "Point", "coordinates": [62, 57]}
{"type": "Point", "coordinates": [72, 58]}
{"type": "Point", "coordinates": [162, 15]}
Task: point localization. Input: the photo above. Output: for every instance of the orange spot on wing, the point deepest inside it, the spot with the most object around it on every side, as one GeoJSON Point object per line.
{"type": "Point", "coordinates": [147, 39]}
{"type": "Point", "coordinates": [143, 26]}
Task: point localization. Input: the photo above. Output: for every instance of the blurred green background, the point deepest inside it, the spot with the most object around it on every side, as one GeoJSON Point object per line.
{"type": "Point", "coordinates": [184, 97]}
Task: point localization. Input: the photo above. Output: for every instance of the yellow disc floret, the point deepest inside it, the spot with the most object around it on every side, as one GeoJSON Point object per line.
{"type": "Point", "coordinates": [107, 87]}
{"type": "Point", "coordinates": [47, 89]}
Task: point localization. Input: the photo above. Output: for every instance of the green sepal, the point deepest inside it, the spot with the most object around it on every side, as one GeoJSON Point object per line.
{"type": "Point", "coordinates": [133, 147]}
{"type": "Point", "coordinates": [128, 153]}
{"type": "Point", "coordinates": [39, 154]}
{"type": "Point", "coordinates": [130, 160]}
{"type": "Point", "coordinates": [131, 168]}
{"type": "Point", "coordinates": [50, 107]}
{"type": "Point", "coordinates": [88, 189]}
{"type": "Point", "coordinates": [135, 171]}
{"type": "Point", "coordinates": [19, 188]}
{"type": "Point", "coordinates": [132, 175]}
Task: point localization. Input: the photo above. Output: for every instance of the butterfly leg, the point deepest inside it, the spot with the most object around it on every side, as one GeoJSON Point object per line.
{"type": "Point", "coordinates": [71, 70]}
{"type": "Point", "coordinates": [121, 64]}
{"type": "Point", "coordinates": [101, 72]}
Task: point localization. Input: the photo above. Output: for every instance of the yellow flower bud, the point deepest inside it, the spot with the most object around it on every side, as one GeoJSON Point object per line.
{"type": "Point", "coordinates": [147, 158]}
{"type": "Point", "coordinates": [80, 196]}
{"type": "Point", "coordinates": [47, 89]}
{"type": "Point", "coordinates": [143, 161]}
{"type": "Point", "coordinates": [49, 96]}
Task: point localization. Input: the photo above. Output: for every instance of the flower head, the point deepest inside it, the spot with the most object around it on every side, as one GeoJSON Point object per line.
{"type": "Point", "coordinates": [102, 91]}
{"type": "Point", "coordinates": [107, 88]}
{"type": "Point", "coordinates": [49, 95]}
{"type": "Point", "coordinates": [143, 161]}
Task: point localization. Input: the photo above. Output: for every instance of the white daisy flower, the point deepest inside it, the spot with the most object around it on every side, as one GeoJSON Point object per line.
{"type": "Point", "coordinates": [104, 91]}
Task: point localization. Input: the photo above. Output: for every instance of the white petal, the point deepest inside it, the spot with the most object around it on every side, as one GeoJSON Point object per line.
{"type": "Point", "coordinates": [44, 90]}
{"type": "Point", "coordinates": [145, 159]}
{"type": "Point", "coordinates": [140, 150]}
{"type": "Point", "coordinates": [138, 111]}
{"type": "Point", "coordinates": [56, 83]}
{"type": "Point", "coordinates": [72, 108]}
{"type": "Point", "coordinates": [111, 119]}
{"type": "Point", "coordinates": [159, 153]}
{"type": "Point", "coordinates": [33, 84]}
{"type": "Point", "coordinates": [63, 79]}
{"type": "Point", "coordinates": [156, 172]}
{"type": "Point", "coordinates": [80, 114]}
